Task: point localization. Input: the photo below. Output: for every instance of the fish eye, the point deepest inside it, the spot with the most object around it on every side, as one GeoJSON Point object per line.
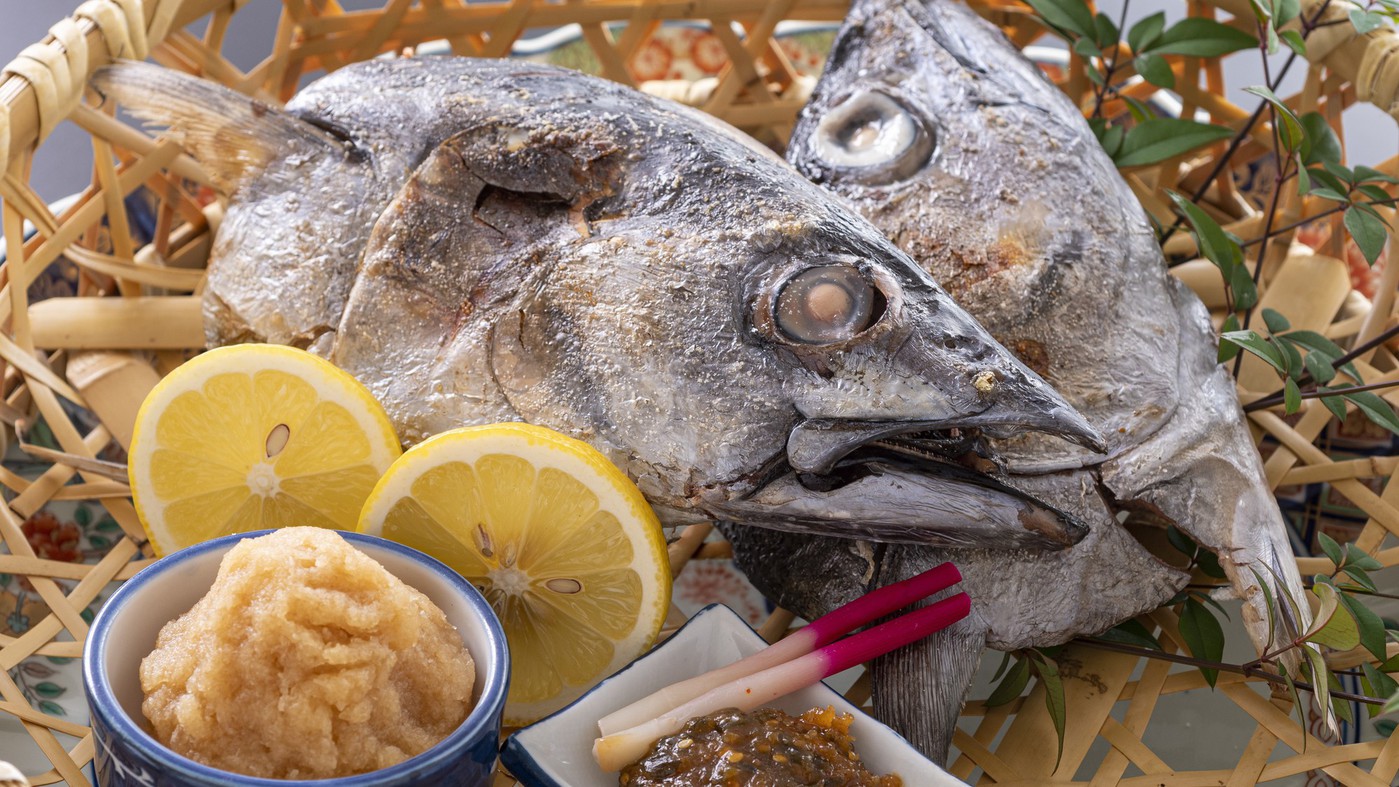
{"type": "Point", "coordinates": [874, 137]}
{"type": "Point", "coordinates": [827, 304]}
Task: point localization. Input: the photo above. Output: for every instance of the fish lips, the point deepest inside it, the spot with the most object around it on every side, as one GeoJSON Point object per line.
{"type": "Point", "coordinates": [888, 499]}
{"type": "Point", "coordinates": [867, 481]}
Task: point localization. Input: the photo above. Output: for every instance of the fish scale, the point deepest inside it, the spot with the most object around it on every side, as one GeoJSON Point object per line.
{"type": "Point", "coordinates": [518, 236]}
{"type": "Point", "coordinates": [1017, 210]}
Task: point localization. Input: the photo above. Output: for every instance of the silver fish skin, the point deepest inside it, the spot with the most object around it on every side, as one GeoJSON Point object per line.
{"type": "Point", "coordinates": [940, 132]}
{"type": "Point", "coordinates": [555, 248]}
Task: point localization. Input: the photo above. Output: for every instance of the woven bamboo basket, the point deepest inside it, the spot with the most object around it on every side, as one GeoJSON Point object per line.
{"type": "Point", "coordinates": [102, 345]}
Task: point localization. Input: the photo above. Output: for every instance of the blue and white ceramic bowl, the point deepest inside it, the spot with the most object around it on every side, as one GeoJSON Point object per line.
{"type": "Point", "coordinates": [557, 751]}
{"type": "Point", "coordinates": [124, 632]}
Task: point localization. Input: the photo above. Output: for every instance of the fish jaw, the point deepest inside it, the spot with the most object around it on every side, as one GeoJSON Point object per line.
{"type": "Point", "coordinates": [1201, 470]}
{"type": "Point", "coordinates": [934, 504]}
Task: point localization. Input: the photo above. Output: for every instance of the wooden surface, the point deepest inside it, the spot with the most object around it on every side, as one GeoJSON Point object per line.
{"type": "Point", "coordinates": [105, 354]}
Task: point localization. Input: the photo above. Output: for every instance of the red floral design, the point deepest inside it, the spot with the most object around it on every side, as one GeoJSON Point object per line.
{"type": "Point", "coordinates": [706, 582]}
{"type": "Point", "coordinates": [52, 539]}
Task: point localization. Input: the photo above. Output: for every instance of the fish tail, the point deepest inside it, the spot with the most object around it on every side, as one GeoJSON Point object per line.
{"type": "Point", "coordinates": [233, 136]}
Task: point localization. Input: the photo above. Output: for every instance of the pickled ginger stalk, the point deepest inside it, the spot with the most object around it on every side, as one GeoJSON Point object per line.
{"type": "Point", "coordinates": [614, 752]}
{"type": "Point", "coordinates": [820, 632]}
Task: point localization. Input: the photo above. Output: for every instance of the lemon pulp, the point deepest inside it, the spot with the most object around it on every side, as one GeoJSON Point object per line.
{"type": "Point", "coordinates": [562, 545]}
{"type": "Point", "coordinates": [255, 436]}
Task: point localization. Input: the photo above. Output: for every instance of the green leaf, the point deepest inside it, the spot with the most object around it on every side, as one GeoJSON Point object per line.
{"type": "Point", "coordinates": [1317, 343]}
{"type": "Point", "coordinates": [1331, 548]}
{"type": "Point", "coordinates": [107, 524]}
{"type": "Point", "coordinates": [1319, 367]}
{"type": "Point", "coordinates": [1161, 138]}
{"type": "Point", "coordinates": [52, 708]}
{"type": "Point", "coordinates": [1335, 404]}
{"type": "Point", "coordinates": [1391, 705]}
{"type": "Point", "coordinates": [1182, 541]}
{"type": "Point", "coordinates": [1361, 577]}
{"type": "Point", "coordinates": [1155, 70]}
{"type": "Point", "coordinates": [1086, 47]}
{"type": "Point", "coordinates": [1203, 636]}
{"type": "Point", "coordinates": [1340, 171]}
{"type": "Point", "coordinates": [1285, 11]}
{"type": "Point", "coordinates": [1333, 625]}
{"type": "Point", "coordinates": [1013, 684]}
{"type": "Point", "coordinates": [1376, 684]}
{"type": "Point", "coordinates": [1145, 32]}
{"type": "Point", "coordinates": [1375, 408]}
{"type": "Point", "coordinates": [1112, 140]}
{"type": "Point", "coordinates": [1068, 15]}
{"type": "Point", "coordinates": [1322, 144]}
{"type": "Point", "coordinates": [1364, 173]}
{"type": "Point", "coordinates": [1131, 632]}
{"type": "Point", "coordinates": [1259, 346]}
{"type": "Point", "coordinates": [1215, 245]}
{"type": "Point", "coordinates": [1370, 626]}
{"type": "Point", "coordinates": [1271, 604]}
{"type": "Point", "coordinates": [1338, 706]}
{"type": "Point", "coordinates": [1291, 396]}
{"type": "Point", "coordinates": [1199, 37]}
{"type": "Point", "coordinates": [1139, 109]}
{"type": "Point", "coordinates": [1227, 350]}
{"type": "Point", "coordinates": [1330, 181]}
{"type": "Point", "coordinates": [1355, 556]}
{"type": "Point", "coordinates": [1297, 705]}
{"type": "Point", "coordinates": [1320, 683]}
{"type": "Point", "coordinates": [1209, 563]}
{"type": "Point", "coordinates": [1275, 321]}
{"type": "Point", "coordinates": [1365, 21]}
{"type": "Point", "coordinates": [1005, 662]}
{"type": "Point", "coordinates": [1293, 358]}
{"type": "Point", "coordinates": [49, 690]}
{"type": "Point", "coordinates": [1369, 232]}
{"type": "Point", "coordinates": [1241, 285]}
{"type": "Point", "coordinates": [1294, 41]}
{"type": "Point", "coordinates": [1375, 193]}
{"type": "Point", "coordinates": [1289, 127]}
{"type": "Point", "coordinates": [1331, 194]}
{"type": "Point", "coordinates": [1272, 39]}
{"type": "Point", "coordinates": [1105, 31]}
{"type": "Point", "coordinates": [1053, 699]}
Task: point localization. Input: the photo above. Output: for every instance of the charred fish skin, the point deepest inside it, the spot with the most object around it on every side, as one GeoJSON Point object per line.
{"type": "Point", "coordinates": [551, 247]}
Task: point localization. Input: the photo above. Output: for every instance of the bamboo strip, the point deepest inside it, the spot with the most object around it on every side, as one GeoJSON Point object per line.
{"type": "Point", "coordinates": [55, 569]}
{"type": "Point", "coordinates": [1130, 745]}
{"type": "Point", "coordinates": [1255, 758]}
{"type": "Point", "coordinates": [26, 713]}
{"type": "Point", "coordinates": [993, 765]}
{"type": "Point", "coordinates": [43, 488]}
{"type": "Point", "coordinates": [145, 323]}
{"type": "Point", "coordinates": [1287, 731]}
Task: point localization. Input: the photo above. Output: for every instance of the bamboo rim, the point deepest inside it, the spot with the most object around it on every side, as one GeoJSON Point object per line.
{"type": "Point", "coordinates": [135, 316]}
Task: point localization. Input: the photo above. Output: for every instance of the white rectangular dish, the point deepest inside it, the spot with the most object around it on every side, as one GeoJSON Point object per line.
{"type": "Point", "coordinates": [557, 751]}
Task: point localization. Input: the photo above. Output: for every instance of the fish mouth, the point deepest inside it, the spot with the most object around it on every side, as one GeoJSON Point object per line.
{"type": "Point", "coordinates": [899, 483]}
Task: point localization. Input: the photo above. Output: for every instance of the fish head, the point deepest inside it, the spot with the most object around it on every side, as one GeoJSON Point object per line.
{"type": "Point", "coordinates": [940, 132]}
{"type": "Point", "coordinates": [739, 339]}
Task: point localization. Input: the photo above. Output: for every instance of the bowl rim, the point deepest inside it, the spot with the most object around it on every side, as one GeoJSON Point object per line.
{"type": "Point", "coordinates": [476, 725]}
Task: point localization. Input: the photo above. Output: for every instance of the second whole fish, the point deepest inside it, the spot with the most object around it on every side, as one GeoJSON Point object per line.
{"type": "Point", "coordinates": [940, 132]}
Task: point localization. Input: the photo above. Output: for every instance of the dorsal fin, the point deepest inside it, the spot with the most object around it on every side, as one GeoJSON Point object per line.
{"type": "Point", "coordinates": [232, 135]}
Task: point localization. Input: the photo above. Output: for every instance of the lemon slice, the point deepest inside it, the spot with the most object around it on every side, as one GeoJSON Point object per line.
{"type": "Point", "coordinates": [561, 543]}
{"type": "Point", "coordinates": [255, 436]}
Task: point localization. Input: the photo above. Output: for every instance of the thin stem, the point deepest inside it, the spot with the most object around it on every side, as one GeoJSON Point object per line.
{"type": "Point", "coordinates": [1312, 393]}
{"type": "Point", "coordinates": [1110, 65]}
{"type": "Point", "coordinates": [1237, 669]}
{"type": "Point", "coordinates": [1308, 25]}
{"type": "Point", "coordinates": [1384, 336]}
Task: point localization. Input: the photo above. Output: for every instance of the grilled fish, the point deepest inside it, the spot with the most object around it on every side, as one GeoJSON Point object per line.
{"type": "Point", "coordinates": [484, 241]}
{"type": "Point", "coordinates": [939, 131]}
